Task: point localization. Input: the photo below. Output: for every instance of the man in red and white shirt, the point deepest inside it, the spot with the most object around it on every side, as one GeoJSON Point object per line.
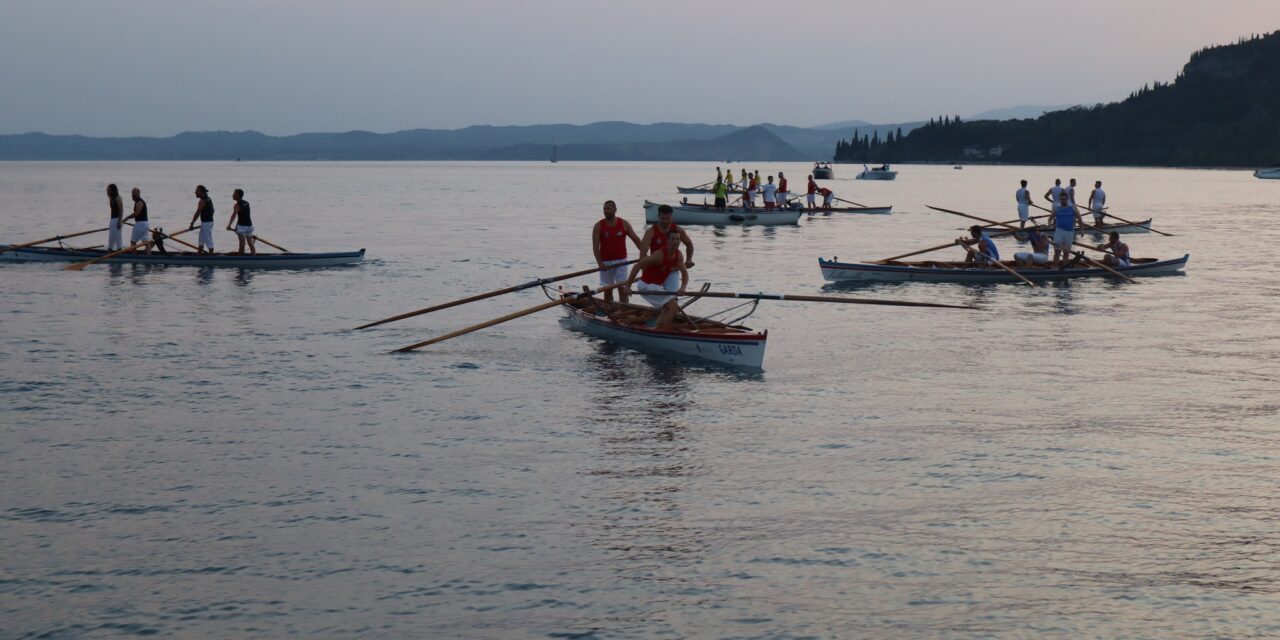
{"type": "Point", "coordinates": [813, 189]}
{"type": "Point", "coordinates": [609, 242]}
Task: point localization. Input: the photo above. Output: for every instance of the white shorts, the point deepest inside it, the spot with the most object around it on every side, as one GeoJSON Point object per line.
{"type": "Point", "coordinates": [826, 200]}
{"type": "Point", "coordinates": [1063, 238]}
{"type": "Point", "coordinates": [114, 239]}
{"type": "Point", "coordinates": [615, 272]}
{"type": "Point", "coordinates": [141, 231]}
{"type": "Point", "coordinates": [1123, 262]}
{"type": "Point", "coordinates": [206, 235]}
{"type": "Point", "coordinates": [1024, 212]}
{"type": "Point", "coordinates": [809, 197]}
{"type": "Point", "coordinates": [242, 230]}
{"type": "Point", "coordinates": [672, 284]}
{"type": "Point", "coordinates": [1033, 258]}
{"type": "Point", "coordinates": [751, 195]}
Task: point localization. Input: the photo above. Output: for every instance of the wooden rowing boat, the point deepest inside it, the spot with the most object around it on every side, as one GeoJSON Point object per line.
{"type": "Point", "coordinates": [939, 271]}
{"type": "Point", "coordinates": [688, 214]}
{"type": "Point", "coordinates": [1143, 226]}
{"type": "Point", "coordinates": [691, 337]}
{"type": "Point", "coordinates": [188, 258]}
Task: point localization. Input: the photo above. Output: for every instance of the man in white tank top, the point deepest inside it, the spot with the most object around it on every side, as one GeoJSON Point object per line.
{"type": "Point", "coordinates": [1023, 198]}
{"type": "Point", "coordinates": [1098, 200]}
{"type": "Point", "coordinates": [1054, 192]}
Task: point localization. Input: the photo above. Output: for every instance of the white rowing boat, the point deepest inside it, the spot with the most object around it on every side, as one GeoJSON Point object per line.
{"type": "Point", "coordinates": [187, 258]}
{"type": "Point", "coordinates": [949, 271]}
{"type": "Point", "coordinates": [691, 337]}
{"type": "Point", "coordinates": [707, 214]}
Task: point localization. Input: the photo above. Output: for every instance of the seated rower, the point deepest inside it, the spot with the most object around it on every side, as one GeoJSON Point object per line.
{"type": "Point", "coordinates": [985, 249]}
{"type": "Point", "coordinates": [1039, 254]}
{"type": "Point", "coordinates": [657, 272]}
{"type": "Point", "coordinates": [1119, 256]}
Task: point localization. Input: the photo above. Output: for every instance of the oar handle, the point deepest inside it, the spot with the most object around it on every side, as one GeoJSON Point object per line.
{"type": "Point", "coordinates": [491, 294]}
{"type": "Point", "coordinates": [511, 316]}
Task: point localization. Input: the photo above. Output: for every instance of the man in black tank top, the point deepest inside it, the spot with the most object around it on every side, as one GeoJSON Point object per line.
{"type": "Point", "coordinates": [204, 211]}
{"type": "Point", "coordinates": [141, 226]}
{"type": "Point", "coordinates": [242, 221]}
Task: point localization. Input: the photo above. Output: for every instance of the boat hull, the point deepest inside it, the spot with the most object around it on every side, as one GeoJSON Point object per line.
{"type": "Point", "coordinates": [743, 349]}
{"type": "Point", "coordinates": [877, 175]}
{"type": "Point", "coordinates": [868, 272]}
{"type": "Point", "coordinates": [1267, 174]}
{"type": "Point", "coordinates": [706, 214]}
{"type": "Point", "coordinates": [260, 261]}
{"type": "Point", "coordinates": [866, 210]}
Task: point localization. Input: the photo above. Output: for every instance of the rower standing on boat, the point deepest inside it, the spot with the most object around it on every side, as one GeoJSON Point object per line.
{"type": "Point", "coordinates": [722, 195]}
{"type": "Point", "coordinates": [141, 226]}
{"type": "Point", "coordinates": [753, 185]}
{"type": "Point", "coordinates": [657, 273]}
{"type": "Point", "coordinates": [827, 196]}
{"type": "Point", "coordinates": [609, 243]}
{"type": "Point", "coordinates": [770, 192]}
{"type": "Point", "coordinates": [1071, 194]}
{"type": "Point", "coordinates": [1064, 229]}
{"type": "Point", "coordinates": [1023, 198]}
{"type": "Point", "coordinates": [1098, 200]}
{"type": "Point", "coordinates": [783, 193]}
{"type": "Point", "coordinates": [204, 212]}
{"type": "Point", "coordinates": [984, 247]}
{"type": "Point", "coordinates": [243, 222]}
{"type": "Point", "coordinates": [1039, 254]}
{"type": "Point", "coordinates": [745, 182]}
{"type": "Point", "coordinates": [813, 188]}
{"type": "Point", "coordinates": [114, 239]}
{"type": "Point", "coordinates": [1119, 256]}
{"type": "Point", "coordinates": [658, 236]}
{"type": "Point", "coordinates": [1052, 194]}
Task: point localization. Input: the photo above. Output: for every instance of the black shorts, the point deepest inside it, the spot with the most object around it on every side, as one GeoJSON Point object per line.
{"type": "Point", "coordinates": [720, 202]}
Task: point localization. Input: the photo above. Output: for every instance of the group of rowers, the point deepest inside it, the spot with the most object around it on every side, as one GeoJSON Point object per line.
{"type": "Point", "coordinates": [661, 270]}
{"type": "Point", "coordinates": [241, 221]}
{"type": "Point", "coordinates": [774, 195]}
{"type": "Point", "coordinates": [1065, 216]}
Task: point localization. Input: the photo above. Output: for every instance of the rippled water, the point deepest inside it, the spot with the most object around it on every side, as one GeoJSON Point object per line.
{"type": "Point", "coordinates": [207, 453]}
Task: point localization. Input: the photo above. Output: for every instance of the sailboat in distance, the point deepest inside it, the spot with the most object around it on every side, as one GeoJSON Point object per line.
{"type": "Point", "coordinates": [554, 148]}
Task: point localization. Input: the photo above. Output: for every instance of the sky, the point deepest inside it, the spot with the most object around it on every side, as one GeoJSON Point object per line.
{"type": "Point", "coordinates": [160, 67]}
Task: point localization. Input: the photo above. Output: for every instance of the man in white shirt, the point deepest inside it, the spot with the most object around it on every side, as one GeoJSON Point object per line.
{"type": "Point", "coordinates": [770, 191]}
{"type": "Point", "coordinates": [1097, 200]}
{"type": "Point", "coordinates": [1054, 192]}
{"type": "Point", "coordinates": [1023, 198]}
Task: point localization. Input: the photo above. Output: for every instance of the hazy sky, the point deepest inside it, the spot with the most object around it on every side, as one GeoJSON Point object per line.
{"type": "Point", "coordinates": [158, 67]}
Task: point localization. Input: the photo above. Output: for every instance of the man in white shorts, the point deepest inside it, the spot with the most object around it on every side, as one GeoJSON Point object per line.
{"type": "Point", "coordinates": [1098, 202]}
{"type": "Point", "coordinates": [770, 191]}
{"type": "Point", "coordinates": [657, 273]}
{"type": "Point", "coordinates": [1023, 197]}
{"type": "Point", "coordinates": [1039, 254]}
{"type": "Point", "coordinates": [204, 213]}
{"type": "Point", "coordinates": [242, 221]}
{"type": "Point", "coordinates": [1064, 229]}
{"type": "Point", "coordinates": [609, 243]}
{"type": "Point", "coordinates": [813, 189]}
{"type": "Point", "coordinates": [141, 225]}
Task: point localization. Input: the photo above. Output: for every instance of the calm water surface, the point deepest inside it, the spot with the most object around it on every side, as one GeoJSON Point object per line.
{"type": "Point", "coordinates": [209, 454]}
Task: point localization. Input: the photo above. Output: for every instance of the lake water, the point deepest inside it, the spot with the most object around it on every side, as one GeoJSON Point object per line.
{"type": "Point", "coordinates": [210, 454]}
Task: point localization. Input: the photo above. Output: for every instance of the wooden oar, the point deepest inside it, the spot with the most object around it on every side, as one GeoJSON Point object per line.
{"type": "Point", "coordinates": [999, 264]}
{"type": "Point", "coordinates": [943, 246]}
{"type": "Point", "coordinates": [270, 244]}
{"type": "Point", "coordinates": [799, 298]}
{"type": "Point", "coordinates": [509, 316]}
{"type": "Point", "coordinates": [1087, 259]}
{"type": "Point", "coordinates": [482, 296]}
{"type": "Point", "coordinates": [169, 237]}
{"type": "Point", "coordinates": [851, 202]}
{"type": "Point", "coordinates": [1147, 227]}
{"type": "Point", "coordinates": [32, 244]}
{"type": "Point", "coordinates": [79, 266]}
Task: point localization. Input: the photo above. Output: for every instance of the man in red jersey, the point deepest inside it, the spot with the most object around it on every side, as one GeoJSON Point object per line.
{"type": "Point", "coordinates": [813, 189]}
{"type": "Point", "coordinates": [783, 192]}
{"type": "Point", "coordinates": [609, 242]}
{"type": "Point", "coordinates": [657, 236]}
{"type": "Point", "coordinates": [657, 273]}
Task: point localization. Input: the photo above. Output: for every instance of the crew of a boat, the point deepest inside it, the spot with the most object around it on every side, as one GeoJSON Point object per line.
{"type": "Point", "coordinates": [240, 222]}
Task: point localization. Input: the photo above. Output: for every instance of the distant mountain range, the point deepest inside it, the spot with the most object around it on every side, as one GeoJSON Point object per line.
{"type": "Point", "coordinates": [1223, 110]}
